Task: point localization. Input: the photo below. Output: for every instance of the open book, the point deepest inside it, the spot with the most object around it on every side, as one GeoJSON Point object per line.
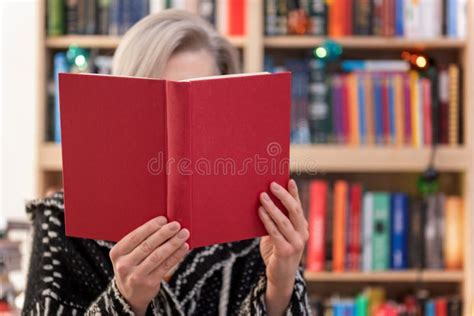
{"type": "Point", "coordinates": [197, 151]}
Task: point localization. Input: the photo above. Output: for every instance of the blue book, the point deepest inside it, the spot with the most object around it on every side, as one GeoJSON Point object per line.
{"type": "Point", "coordinates": [430, 309]}
{"type": "Point", "coordinates": [399, 31]}
{"type": "Point", "coordinates": [338, 308]}
{"type": "Point", "coordinates": [114, 17]}
{"type": "Point", "coordinates": [361, 101]}
{"type": "Point", "coordinates": [391, 108]}
{"type": "Point", "coordinates": [378, 115]}
{"type": "Point", "coordinates": [451, 18]}
{"type": "Point", "coordinates": [399, 230]}
{"type": "Point", "coordinates": [60, 65]}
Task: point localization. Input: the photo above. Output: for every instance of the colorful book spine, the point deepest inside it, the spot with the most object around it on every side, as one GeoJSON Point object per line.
{"type": "Point", "coordinates": [453, 115]}
{"type": "Point", "coordinates": [55, 22]}
{"type": "Point", "coordinates": [367, 230]}
{"type": "Point", "coordinates": [453, 233]}
{"type": "Point", "coordinates": [399, 110]}
{"type": "Point", "coordinates": [381, 232]}
{"type": "Point", "coordinates": [399, 226]}
{"type": "Point", "coordinates": [339, 228]}
{"type": "Point", "coordinates": [60, 65]}
{"type": "Point", "coordinates": [315, 259]}
{"type": "Point", "coordinates": [355, 240]}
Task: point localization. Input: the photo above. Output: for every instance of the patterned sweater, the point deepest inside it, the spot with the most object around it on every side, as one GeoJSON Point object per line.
{"type": "Point", "coordinates": [73, 276]}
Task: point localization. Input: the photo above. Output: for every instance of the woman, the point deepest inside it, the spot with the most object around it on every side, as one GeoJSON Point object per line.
{"type": "Point", "coordinates": [151, 271]}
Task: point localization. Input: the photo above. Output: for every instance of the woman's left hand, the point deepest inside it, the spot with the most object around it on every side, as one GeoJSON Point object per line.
{"type": "Point", "coordinates": [282, 249]}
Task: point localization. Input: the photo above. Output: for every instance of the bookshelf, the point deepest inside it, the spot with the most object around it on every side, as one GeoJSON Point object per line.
{"type": "Point", "coordinates": [336, 159]}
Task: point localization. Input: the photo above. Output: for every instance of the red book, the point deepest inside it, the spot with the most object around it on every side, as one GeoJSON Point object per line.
{"type": "Point", "coordinates": [347, 17]}
{"type": "Point", "coordinates": [339, 222]}
{"type": "Point", "coordinates": [355, 247]}
{"type": "Point", "coordinates": [197, 151]}
{"type": "Point", "coordinates": [236, 16]}
{"type": "Point", "coordinates": [315, 255]}
{"type": "Point", "coordinates": [441, 307]}
{"type": "Point", "coordinates": [427, 120]}
{"type": "Point", "coordinates": [386, 110]}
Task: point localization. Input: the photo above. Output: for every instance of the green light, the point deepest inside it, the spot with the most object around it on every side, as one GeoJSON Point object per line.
{"type": "Point", "coordinates": [321, 52]}
{"type": "Point", "coordinates": [81, 62]}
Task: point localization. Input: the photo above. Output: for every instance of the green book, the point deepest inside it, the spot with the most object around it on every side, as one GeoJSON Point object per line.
{"type": "Point", "coordinates": [362, 305]}
{"type": "Point", "coordinates": [381, 232]}
{"type": "Point", "coordinates": [55, 17]}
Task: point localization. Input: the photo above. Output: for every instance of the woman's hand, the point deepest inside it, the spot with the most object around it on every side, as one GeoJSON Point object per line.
{"type": "Point", "coordinates": [282, 249]}
{"type": "Point", "coordinates": [143, 257]}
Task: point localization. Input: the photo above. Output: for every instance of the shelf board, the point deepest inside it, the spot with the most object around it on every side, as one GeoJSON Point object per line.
{"type": "Point", "coordinates": [105, 41]}
{"type": "Point", "coordinates": [386, 276]}
{"type": "Point", "coordinates": [336, 158]}
{"type": "Point", "coordinates": [363, 42]}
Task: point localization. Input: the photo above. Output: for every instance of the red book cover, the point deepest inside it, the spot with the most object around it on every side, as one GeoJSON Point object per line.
{"type": "Point", "coordinates": [355, 247]}
{"type": "Point", "coordinates": [315, 255]}
{"type": "Point", "coordinates": [441, 307]}
{"type": "Point", "coordinates": [339, 228]}
{"type": "Point", "coordinates": [407, 104]}
{"type": "Point", "coordinates": [386, 110]}
{"type": "Point", "coordinates": [427, 118]}
{"type": "Point", "coordinates": [347, 17]}
{"type": "Point", "coordinates": [236, 16]}
{"type": "Point", "coordinates": [197, 151]}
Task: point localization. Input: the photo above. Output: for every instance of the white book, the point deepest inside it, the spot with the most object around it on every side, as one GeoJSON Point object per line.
{"type": "Point", "coordinates": [157, 6]}
{"type": "Point", "coordinates": [221, 16]}
{"type": "Point", "coordinates": [367, 230]}
{"type": "Point", "coordinates": [461, 18]}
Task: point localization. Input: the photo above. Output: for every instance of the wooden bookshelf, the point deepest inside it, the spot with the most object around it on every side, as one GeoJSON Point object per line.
{"type": "Point", "coordinates": [105, 41]}
{"type": "Point", "coordinates": [390, 276]}
{"type": "Point", "coordinates": [326, 158]}
{"type": "Point", "coordinates": [364, 42]}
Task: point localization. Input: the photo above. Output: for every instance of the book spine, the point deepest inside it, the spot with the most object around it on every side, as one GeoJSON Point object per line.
{"type": "Point", "coordinates": [378, 110]}
{"type": "Point", "coordinates": [453, 116]}
{"type": "Point", "coordinates": [417, 224]}
{"type": "Point", "coordinates": [399, 27]}
{"type": "Point", "coordinates": [329, 230]}
{"type": "Point", "coordinates": [385, 110]}
{"type": "Point", "coordinates": [339, 228]}
{"type": "Point", "coordinates": [355, 239]}
{"type": "Point", "coordinates": [407, 106]}
{"type": "Point", "coordinates": [104, 10]}
{"type": "Point", "coordinates": [315, 259]}
{"type": "Point", "coordinates": [415, 115]}
{"type": "Point", "coordinates": [336, 18]}
{"type": "Point", "coordinates": [381, 236]}
{"type": "Point", "coordinates": [367, 231]}
{"type": "Point", "coordinates": [399, 110]}
{"type": "Point", "coordinates": [71, 16]}
{"type": "Point", "coordinates": [319, 109]}
{"type": "Point", "coordinates": [207, 10]}
{"type": "Point", "coordinates": [453, 234]}
{"type": "Point", "coordinates": [60, 66]}
{"type": "Point", "coordinates": [391, 109]}
{"type": "Point", "coordinates": [354, 137]}
{"type": "Point", "coordinates": [91, 16]}
{"type": "Point", "coordinates": [236, 17]}
{"type": "Point", "coordinates": [370, 109]}
{"type": "Point", "coordinates": [55, 17]}
{"type": "Point", "coordinates": [399, 231]}
{"type": "Point", "coordinates": [428, 119]}
{"type": "Point", "coordinates": [362, 17]}
{"type": "Point", "coordinates": [317, 17]}
{"type": "Point", "coordinates": [345, 116]}
{"type": "Point", "coordinates": [114, 17]}
{"type": "Point", "coordinates": [362, 109]}
{"type": "Point", "coordinates": [377, 17]}
{"type": "Point", "coordinates": [179, 126]}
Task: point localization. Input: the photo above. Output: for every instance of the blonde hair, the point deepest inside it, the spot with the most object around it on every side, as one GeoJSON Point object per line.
{"type": "Point", "coordinates": [148, 45]}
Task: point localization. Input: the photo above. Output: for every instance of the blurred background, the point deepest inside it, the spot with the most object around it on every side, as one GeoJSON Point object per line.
{"type": "Point", "coordinates": [382, 142]}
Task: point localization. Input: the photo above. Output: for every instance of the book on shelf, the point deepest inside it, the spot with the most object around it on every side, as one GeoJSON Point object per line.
{"type": "Point", "coordinates": [198, 151]}
{"type": "Point", "coordinates": [115, 17]}
{"type": "Point", "coordinates": [381, 231]}
{"type": "Point", "coordinates": [374, 301]}
{"type": "Point", "coordinates": [373, 102]}
{"type": "Point", "coordinates": [388, 18]}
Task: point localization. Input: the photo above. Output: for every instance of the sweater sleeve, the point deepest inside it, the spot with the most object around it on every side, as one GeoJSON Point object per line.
{"type": "Point", "coordinates": [254, 303]}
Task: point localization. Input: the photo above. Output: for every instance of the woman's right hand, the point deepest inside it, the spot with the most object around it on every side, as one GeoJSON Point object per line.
{"type": "Point", "coordinates": [143, 257]}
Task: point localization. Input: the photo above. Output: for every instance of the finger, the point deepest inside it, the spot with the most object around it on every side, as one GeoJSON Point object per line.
{"type": "Point", "coordinates": [170, 262]}
{"type": "Point", "coordinates": [132, 239]}
{"type": "Point", "coordinates": [295, 211]}
{"type": "Point", "coordinates": [293, 189]}
{"type": "Point", "coordinates": [155, 240]}
{"type": "Point", "coordinates": [272, 230]}
{"type": "Point", "coordinates": [161, 254]}
{"type": "Point", "coordinates": [282, 222]}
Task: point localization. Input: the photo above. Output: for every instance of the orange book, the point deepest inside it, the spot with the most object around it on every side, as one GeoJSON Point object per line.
{"type": "Point", "coordinates": [453, 116]}
{"type": "Point", "coordinates": [453, 233]}
{"type": "Point", "coordinates": [236, 16]}
{"type": "Point", "coordinates": [339, 225]}
{"type": "Point", "coordinates": [399, 111]}
{"type": "Point", "coordinates": [354, 131]}
{"type": "Point", "coordinates": [415, 113]}
{"type": "Point", "coordinates": [315, 254]}
{"type": "Point", "coordinates": [336, 18]}
{"type": "Point", "coordinates": [369, 111]}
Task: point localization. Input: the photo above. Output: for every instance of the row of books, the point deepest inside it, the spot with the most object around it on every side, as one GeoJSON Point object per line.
{"type": "Point", "coordinates": [356, 230]}
{"type": "Point", "coordinates": [374, 102]}
{"type": "Point", "coordinates": [373, 302]}
{"type": "Point", "coordinates": [401, 18]}
{"type": "Point", "coordinates": [115, 17]}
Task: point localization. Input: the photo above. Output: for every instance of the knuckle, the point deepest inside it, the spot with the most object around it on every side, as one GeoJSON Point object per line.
{"type": "Point", "coordinates": [121, 268]}
{"type": "Point", "coordinates": [134, 239]}
{"type": "Point", "coordinates": [298, 245]}
{"type": "Point", "coordinates": [145, 246]}
{"type": "Point", "coordinates": [113, 253]}
{"type": "Point", "coordinates": [156, 257]}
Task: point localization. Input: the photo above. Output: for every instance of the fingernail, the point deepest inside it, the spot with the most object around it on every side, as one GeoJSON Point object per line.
{"type": "Point", "coordinates": [275, 186]}
{"type": "Point", "coordinates": [293, 183]}
{"type": "Point", "coordinates": [186, 246]}
{"type": "Point", "coordinates": [174, 226]}
{"type": "Point", "coordinates": [265, 196]}
{"type": "Point", "coordinates": [161, 220]}
{"type": "Point", "coordinates": [183, 233]}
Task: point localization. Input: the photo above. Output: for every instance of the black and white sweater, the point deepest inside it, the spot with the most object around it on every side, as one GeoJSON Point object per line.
{"type": "Point", "coordinates": [73, 276]}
